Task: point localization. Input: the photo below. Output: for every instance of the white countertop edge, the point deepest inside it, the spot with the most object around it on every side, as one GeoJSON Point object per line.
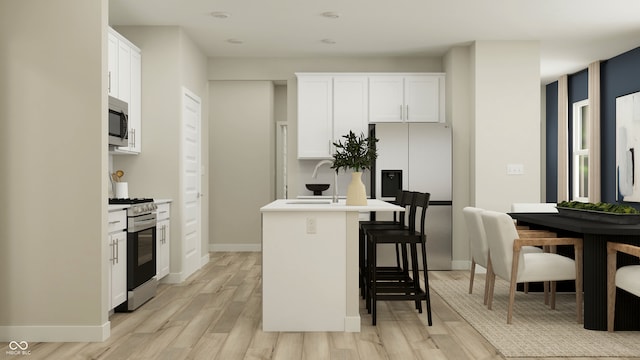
{"type": "Point", "coordinates": [162, 201]}
{"type": "Point", "coordinates": [295, 205]}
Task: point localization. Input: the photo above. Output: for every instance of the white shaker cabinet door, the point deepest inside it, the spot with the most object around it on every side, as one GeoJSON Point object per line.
{"type": "Point", "coordinates": [118, 268]}
{"type": "Point", "coordinates": [112, 78]}
{"type": "Point", "coordinates": [350, 110]}
{"type": "Point", "coordinates": [424, 98]}
{"type": "Point", "coordinates": [386, 98]}
{"type": "Point", "coordinates": [314, 117]}
{"type": "Point", "coordinates": [163, 241]}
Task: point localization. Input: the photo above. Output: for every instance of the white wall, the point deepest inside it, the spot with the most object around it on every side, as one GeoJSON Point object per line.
{"type": "Point", "coordinates": [457, 64]}
{"type": "Point", "coordinates": [170, 60]}
{"type": "Point", "coordinates": [242, 161]}
{"type": "Point", "coordinates": [53, 187]}
{"type": "Point", "coordinates": [241, 69]}
{"type": "Point", "coordinates": [506, 90]}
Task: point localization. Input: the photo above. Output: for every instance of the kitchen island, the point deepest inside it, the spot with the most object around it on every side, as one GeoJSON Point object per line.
{"type": "Point", "coordinates": [310, 264]}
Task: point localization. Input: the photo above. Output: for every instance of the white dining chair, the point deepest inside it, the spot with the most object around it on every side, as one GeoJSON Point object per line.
{"type": "Point", "coordinates": [511, 264]}
{"type": "Point", "coordinates": [626, 278]}
{"type": "Point", "coordinates": [480, 246]}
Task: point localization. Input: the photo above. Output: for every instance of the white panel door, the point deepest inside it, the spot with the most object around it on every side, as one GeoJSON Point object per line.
{"type": "Point", "coordinates": [191, 237]}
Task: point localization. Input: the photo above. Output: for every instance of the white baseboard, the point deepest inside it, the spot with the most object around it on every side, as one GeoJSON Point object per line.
{"type": "Point", "coordinates": [172, 278]}
{"type": "Point", "coordinates": [235, 247]}
{"type": "Point", "coordinates": [460, 265]}
{"type": "Point", "coordinates": [204, 260]}
{"type": "Point", "coordinates": [96, 333]}
{"type": "Point", "coordinates": [352, 323]}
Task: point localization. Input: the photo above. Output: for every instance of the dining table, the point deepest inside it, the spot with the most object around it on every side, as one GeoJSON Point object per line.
{"type": "Point", "coordinates": [595, 235]}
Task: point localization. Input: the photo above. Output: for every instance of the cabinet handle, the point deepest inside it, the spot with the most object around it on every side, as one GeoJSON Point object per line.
{"type": "Point", "coordinates": [109, 82]}
{"type": "Point", "coordinates": [114, 222]}
{"type": "Point", "coordinates": [112, 254]}
{"type": "Point", "coordinates": [401, 112]}
{"type": "Point", "coordinates": [164, 234]}
{"type": "Point", "coordinates": [132, 131]}
{"type": "Point", "coordinates": [407, 112]}
{"type": "Point", "coordinates": [117, 251]}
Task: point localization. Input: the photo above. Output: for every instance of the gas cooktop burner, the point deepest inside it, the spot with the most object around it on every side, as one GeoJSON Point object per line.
{"type": "Point", "coordinates": [129, 201]}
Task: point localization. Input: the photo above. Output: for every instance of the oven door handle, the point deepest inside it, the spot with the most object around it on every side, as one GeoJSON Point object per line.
{"type": "Point", "coordinates": [143, 225]}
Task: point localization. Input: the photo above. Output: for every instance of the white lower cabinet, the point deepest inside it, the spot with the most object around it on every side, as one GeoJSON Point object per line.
{"type": "Point", "coordinates": [117, 241]}
{"type": "Point", "coordinates": [163, 235]}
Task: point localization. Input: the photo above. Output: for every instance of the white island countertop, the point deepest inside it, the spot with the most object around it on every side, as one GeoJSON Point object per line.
{"type": "Point", "coordinates": [304, 205]}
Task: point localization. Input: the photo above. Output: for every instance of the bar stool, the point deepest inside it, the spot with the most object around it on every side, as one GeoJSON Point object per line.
{"type": "Point", "coordinates": [403, 198]}
{"type": "Point", "coordinates": [401, 285]}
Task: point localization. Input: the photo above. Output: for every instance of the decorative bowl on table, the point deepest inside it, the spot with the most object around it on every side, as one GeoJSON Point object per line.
{"type": "Point", "coordinates": [317, 188]}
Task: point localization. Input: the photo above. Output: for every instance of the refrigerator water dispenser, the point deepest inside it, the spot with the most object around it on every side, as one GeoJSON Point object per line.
{"type": "Point", "coordinates": [391, 183]}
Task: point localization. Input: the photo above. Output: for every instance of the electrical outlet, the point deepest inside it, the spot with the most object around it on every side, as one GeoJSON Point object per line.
{"type": "Point", "coordinates": [312, 227]}
{"type": "Point", "coordinates": [515, 169]}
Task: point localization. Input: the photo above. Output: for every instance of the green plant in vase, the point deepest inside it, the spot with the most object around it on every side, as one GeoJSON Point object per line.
{"type": "Point", "coordinates": [356, 153]}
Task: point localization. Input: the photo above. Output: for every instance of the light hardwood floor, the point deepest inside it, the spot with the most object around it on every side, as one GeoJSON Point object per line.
{"type": "Point", "coordinates": [216, 314]}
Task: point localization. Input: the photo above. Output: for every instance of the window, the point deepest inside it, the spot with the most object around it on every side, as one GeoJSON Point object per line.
{"type": "Point", "coordinates": [580, 153]}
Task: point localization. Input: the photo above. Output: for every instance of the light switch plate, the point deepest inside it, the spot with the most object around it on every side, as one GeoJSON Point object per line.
{"type": "Point", "coordinates": [515, 169]}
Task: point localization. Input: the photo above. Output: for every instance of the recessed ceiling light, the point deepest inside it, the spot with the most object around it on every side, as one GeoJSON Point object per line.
{"type": "Point", "coordinates": [235, 41]}
{"type": "Point", "coordinates": [328, 41]}
{"type": "Point", "coordinates": [331, 14]}
{"type": "Point", "coordinates": [221, 15]}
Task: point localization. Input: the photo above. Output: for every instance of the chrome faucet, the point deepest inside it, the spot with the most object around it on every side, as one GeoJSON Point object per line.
{"type": "Point", "coordinates": [334, 198]}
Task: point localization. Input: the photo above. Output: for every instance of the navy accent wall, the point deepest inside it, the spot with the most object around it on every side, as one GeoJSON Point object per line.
{"type": "Point", "coordinates": [578, 87]}
{"type": "Point", "coordinates": [619, 76]}
{"type": "Point", "coordinates": [552, 142]}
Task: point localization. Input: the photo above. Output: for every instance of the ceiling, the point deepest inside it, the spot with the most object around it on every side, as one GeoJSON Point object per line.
{"type": "Point", "coordinates": [572, 33]}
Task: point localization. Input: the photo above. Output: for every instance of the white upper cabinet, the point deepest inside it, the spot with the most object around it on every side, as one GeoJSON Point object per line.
{"type": "Point", "coordinates": [386, 99]}
{"type": "Point", "coordinates": [332, 104]}
{"type": "Point", "coordinates": [125, 83]}
{"type": "Point", "coordinates": [315, 110]}
{"type": "Point", "coordinates": [406, 98]}
{"type": "Point", "coordinates": [350, 100]}
{"type": "Point", "coordinates": [112, 53]}
{"type": "Point", "coordinates": [329, 106]}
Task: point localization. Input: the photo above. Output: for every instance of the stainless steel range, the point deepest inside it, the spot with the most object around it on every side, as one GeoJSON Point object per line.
{"type": "Point", "coordinates": [141, 252]}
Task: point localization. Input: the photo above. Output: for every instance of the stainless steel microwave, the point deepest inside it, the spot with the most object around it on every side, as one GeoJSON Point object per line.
{"type": "Point", "coordinates": [118, 122]}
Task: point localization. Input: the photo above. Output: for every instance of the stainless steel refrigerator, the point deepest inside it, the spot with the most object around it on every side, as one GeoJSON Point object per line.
{"type": "Point", "coordinates": [417, 157]}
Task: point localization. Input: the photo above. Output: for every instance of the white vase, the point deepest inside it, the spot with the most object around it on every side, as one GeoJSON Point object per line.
{"type": "Point", "coordinates": [356, 192]}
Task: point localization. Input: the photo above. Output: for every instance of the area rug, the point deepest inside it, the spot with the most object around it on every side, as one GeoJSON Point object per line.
{"type": "Point", "coordinates": [536, 330]}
